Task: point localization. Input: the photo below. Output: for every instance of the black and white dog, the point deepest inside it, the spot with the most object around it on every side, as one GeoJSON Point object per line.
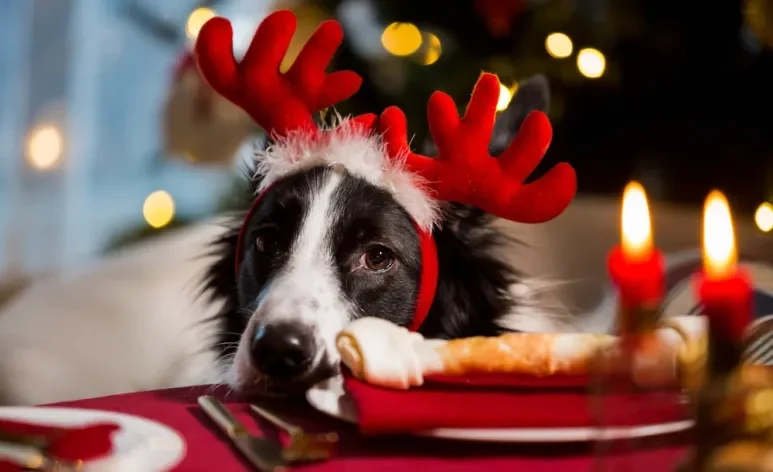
{"type": "Point", "coordinates": [133, 321]}
{"type": "Point", "coordinates": [325, 247]}
{"type": "Point", "coordinates": [343, 221]}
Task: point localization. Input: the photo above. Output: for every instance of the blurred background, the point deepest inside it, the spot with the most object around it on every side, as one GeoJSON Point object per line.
{"type": "Point", "coordinates": [108, 135]}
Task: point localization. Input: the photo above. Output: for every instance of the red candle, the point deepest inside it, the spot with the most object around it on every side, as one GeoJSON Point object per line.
{"type": "Point", "coordinates": [724, 290]}
{"type": "Point", "coordinates": [635, 266]}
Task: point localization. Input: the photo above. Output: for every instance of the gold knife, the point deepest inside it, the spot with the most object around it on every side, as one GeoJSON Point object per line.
{"type": "Point", "coordinates": [264, 454]}
{"type": "Point", "coordinates": [33, 440]}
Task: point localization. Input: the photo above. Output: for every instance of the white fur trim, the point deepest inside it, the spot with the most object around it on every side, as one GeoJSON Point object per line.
{"type": "Point", "coordinates": [362, 153]}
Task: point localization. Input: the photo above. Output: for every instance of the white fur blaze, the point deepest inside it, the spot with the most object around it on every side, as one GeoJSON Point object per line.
{"type": "Point", "coordinates": [306, 291]}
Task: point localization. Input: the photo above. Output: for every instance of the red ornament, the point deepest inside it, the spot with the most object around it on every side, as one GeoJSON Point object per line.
{"type": "Point", "coordinates": [499, 15]}
{"type": "Point", "coordinates": [198, 124]}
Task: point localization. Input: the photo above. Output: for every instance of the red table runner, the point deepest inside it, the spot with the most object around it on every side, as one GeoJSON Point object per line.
{"type": "Point", "coordinates": [208, 450]}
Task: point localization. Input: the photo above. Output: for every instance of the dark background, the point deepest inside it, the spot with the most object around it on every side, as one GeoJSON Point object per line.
{"type": "Point", "coordinates": [684, 106]}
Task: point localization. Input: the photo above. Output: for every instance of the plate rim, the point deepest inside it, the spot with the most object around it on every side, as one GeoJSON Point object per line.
{"type": "Point", "coordinates": [505, 435]}
{"type": "Point", "coordinates": [182, 449]}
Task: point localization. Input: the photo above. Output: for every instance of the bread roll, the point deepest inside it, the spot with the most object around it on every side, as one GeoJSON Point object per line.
{"type": "Point", "coordinates": [384, 354]}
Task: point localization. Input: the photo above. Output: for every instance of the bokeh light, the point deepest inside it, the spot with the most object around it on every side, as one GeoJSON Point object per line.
{"type": "Point", "coordinates": [763, 217]}
{"type": "Point", "coordinates": [559, 45]}
{"type": "Point", "coordinates": [158, 209]}
{"type": "Point", "coordinates": [196, 21]}
{"type": "Point", "coordinates": [45, 147]}
{"type": "Point", "coordinates": [591, 63]}
{"type": "Point", "coordinates": [505, 96]}
{"type": "Point", "coordinates": [401, 39]}
{"type": "Point", "coordinates": [433, 49]}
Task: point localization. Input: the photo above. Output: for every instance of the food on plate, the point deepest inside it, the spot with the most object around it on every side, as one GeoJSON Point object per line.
{"type": "Point", "coordinates": [534, 354]}
{"type": "Point", "coordinates": [384, 354]}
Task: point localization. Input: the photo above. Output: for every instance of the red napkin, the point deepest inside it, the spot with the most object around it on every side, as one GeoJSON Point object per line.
{"type": "Point", "coordinates": [443, 405]}
{"type": "Point", "coordinates": [520, 381]}
{"type": "Point", "coordinates": [81, 443]}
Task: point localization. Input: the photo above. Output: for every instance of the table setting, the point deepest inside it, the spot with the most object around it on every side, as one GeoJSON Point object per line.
{"type": "Point", "coordinates": [645, 398]}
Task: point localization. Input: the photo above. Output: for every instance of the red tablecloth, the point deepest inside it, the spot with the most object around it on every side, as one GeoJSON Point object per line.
{"type": "Point", "coordinates": [208, 451]}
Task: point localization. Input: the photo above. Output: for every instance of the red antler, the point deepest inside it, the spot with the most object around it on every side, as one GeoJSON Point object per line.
{"type": "Point", "coordinates": [278, 102]}
{"type": "Point", "coordinates": [464, 172]}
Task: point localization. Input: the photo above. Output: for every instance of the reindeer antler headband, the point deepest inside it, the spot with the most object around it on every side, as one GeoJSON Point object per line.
{"type": "Point", "coordinates": [377, 149]}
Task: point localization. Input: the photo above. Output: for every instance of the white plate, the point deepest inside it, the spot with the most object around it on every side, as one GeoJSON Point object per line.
{"type": "Point", "coordinates": [330, 397]}
{"type": "Point", "coordinates": [140, 444]}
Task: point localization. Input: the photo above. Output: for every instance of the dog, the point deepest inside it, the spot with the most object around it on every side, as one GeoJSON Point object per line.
{"type": "Point", "coordinates": [169, 312]}
{"type": "Point", "coordinates": [325, 247]}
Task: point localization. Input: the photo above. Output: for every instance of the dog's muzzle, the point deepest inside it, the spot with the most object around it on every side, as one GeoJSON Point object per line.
{"type": "Point", "coordinates": [284, 351]}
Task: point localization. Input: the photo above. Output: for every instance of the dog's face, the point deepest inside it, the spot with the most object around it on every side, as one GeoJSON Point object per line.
{"type": "Point", "coordinates": [322, 249]}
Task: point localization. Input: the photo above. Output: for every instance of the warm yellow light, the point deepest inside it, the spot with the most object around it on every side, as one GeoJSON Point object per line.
{"type": "Point", "coordinates": [401, 39]}
{"type": "Point", "coordinates": [45, 147]}
{"type": "Point", "coordinates": [591, 63]}
{"type": "Point", "coordinates": [505, 96]}
{"type": "Point", "coordinates": [433, 49]}
{"type": "Point", "coordinates": [559, 45]}
{"type": "Point", "coordinates": [719, 252]}
{"type": "Point", "coordinates": [763, 217]}
{"type": "Point", "coordinates": [309, 16]}
{"type": "Point", "coordinates": [196, 20]}
{"type": "Point", "coordinates": [158, 209]}
{"type": "Point", "coordinates": [636, 225]}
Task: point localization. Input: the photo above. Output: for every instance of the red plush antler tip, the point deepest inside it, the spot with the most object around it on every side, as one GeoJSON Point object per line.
{"type": "Point", "coordinates": [280, 103]}
{"type": "Point", "coordinates": [214, 56]}
{"type": "Point", "coordinates": [465, 172]}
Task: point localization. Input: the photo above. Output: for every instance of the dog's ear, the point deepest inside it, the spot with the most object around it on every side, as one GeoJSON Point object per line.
{"type": "Point", "coordinates": [533, 94]}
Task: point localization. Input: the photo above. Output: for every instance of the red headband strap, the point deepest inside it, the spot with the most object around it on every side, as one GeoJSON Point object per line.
{"type": "Point", "coordinates": [427, 280]}
{"type": "Point", "coordinates": [243, 229]}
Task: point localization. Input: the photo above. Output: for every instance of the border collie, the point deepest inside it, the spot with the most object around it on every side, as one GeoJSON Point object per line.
{"type": "Point", "coordinates": [325, 247]}
{"type": "Point", "coordinates": [343, 221]}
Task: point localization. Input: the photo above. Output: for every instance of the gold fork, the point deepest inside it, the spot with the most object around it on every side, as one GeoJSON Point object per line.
{"type": "Point", "coordinates": [303, 446]}
{"type": "Point", "coordinates": [32, 458]}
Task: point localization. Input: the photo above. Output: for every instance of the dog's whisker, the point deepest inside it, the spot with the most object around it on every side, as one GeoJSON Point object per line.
{"type": "Point", "coordinates": [227, 344]}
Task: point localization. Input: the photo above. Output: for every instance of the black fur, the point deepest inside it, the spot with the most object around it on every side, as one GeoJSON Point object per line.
{"type": "Point", "coordinates": [281, 212]}
{"type": "Point", "coordinates": [368, 215]}
{"type": "Point", "coordinates": [473, 282]}
{"type": "Point", "coordinates": [472, 291]}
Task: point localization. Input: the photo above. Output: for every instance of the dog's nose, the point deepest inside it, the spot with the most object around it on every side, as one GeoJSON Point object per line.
{"type": "Point", "coordinates": [283, 351]}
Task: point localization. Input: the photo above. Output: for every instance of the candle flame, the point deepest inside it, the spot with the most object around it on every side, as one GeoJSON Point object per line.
{"type": "Point", "coordinates": [636, 225]}
{"type": "Point", "coordinates": [719, 251]}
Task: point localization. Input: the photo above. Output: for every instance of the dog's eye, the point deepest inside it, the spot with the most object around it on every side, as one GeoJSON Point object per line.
{"type": "Point", "coordinates": [378, 258]}
{"type": "Point", "coordinates": [267, 239]}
